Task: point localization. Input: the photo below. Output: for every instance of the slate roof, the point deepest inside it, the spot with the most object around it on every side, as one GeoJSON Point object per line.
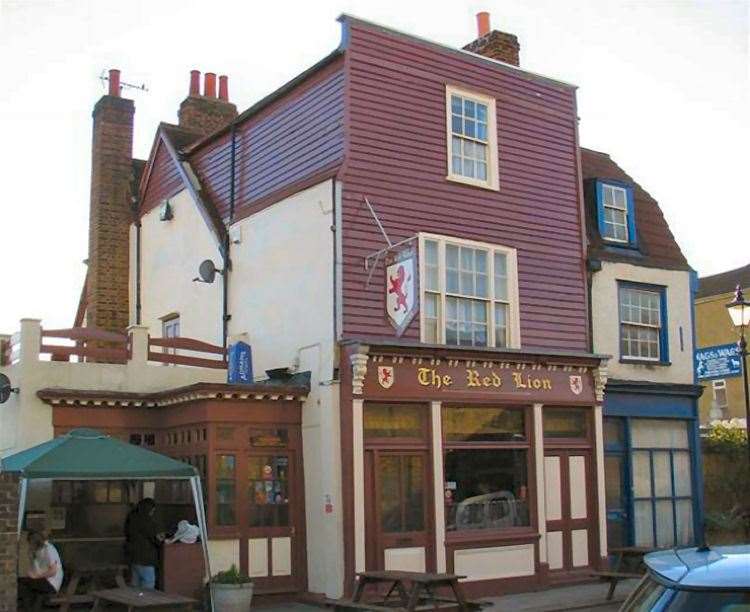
{"type": "Point", "coordinates": [657, 247]}
{"type": "Point", "coordinates": [724, 282]}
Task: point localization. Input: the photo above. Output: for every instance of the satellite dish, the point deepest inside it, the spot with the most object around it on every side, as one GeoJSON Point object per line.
{"type": "Point", "coordinates": [5, 388]}
{"type": "Point", "coordinates": [207, 272]}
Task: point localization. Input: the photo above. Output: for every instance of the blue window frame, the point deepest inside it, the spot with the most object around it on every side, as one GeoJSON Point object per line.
{"type": "Point", "coordinates": [616, 213]}
{"type": "Point", "coordinates": [643, 322]}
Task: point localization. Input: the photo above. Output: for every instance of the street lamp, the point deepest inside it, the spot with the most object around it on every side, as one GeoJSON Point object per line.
{"type": "Point", "coordinates": [739, 311]}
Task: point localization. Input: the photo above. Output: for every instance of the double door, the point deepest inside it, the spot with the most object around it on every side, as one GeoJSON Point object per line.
{"type": "Point", "coordinates": [399, 533]}
{"type": "Point", "coordinates": [568, 506]}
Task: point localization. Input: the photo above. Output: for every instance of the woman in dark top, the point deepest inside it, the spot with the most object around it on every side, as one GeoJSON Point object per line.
{"type": "Point", "coordinates": [143, 539]}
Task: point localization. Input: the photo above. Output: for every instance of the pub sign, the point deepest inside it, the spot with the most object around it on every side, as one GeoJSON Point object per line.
{"type": "Point", "coordinates": [401, 288]}
{"type": "Point", "coordinates": [721, 361]}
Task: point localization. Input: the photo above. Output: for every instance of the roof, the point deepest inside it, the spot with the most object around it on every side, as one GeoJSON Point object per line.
{"type": "Point", "coordinates": [724, 282]}
{"type": "Point", "coordinates": [719, 567]}
{"type": "Point", "coordinates": [90, 454]}
{"type": "Point", "coordinates": [657, 247]}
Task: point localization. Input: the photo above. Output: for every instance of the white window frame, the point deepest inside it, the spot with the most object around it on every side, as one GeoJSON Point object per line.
{"type": "Point", "coordinates": [625, 210]}
{"type": "Point", "coordinates": [514, 323]}
{"type": "Point", "coordinates": [493, 179]}
{"type": "Point", "coordinates": [720, 385]}
{"type": "Point", "coordinates": [659, 328]}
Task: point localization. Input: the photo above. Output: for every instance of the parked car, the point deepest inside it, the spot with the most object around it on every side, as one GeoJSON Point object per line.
{"type": "Point", "coordinates": [715, 579]}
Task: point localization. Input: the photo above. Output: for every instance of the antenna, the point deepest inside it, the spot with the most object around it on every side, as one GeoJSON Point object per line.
{"type": "Point", "coordinates": [104, 79]}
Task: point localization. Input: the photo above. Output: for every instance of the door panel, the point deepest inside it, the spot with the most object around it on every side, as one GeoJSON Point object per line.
{"type": "Point", "coordinates": [570, 528]}
{"type": "Point", "coordinates": [616, 500]}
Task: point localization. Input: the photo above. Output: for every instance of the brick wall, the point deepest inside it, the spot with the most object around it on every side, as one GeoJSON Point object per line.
{"type": "Point", "coordinates": [8, 541]}
{"type": "Point", "coordinates": [110, 214]}
{"type": "Point", "coordinates": [204, 115]}
{"type": "Point", "coordinates": [497, 45]}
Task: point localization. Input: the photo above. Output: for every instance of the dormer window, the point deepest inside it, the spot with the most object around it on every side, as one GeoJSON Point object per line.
{"type": "Point", "coordinates": [616, 213]}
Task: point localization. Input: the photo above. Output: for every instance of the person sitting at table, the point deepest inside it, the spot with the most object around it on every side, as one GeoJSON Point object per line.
{"type": "Point", "coordinates": [45, 575]}
{"type": "Point", "coordinates": [143, 539]}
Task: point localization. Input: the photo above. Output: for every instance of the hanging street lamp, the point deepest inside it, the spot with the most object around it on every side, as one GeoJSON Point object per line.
{"type": "Point", "coordinates": [739, 311]}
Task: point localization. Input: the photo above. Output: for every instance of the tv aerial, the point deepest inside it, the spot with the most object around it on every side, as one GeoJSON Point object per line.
{"type": "Point", "coordinates": [103, 77]}
{"type": "Point", "coordinates": [5, 388]}
{"type": "Point", "coordinates": [207, 272]}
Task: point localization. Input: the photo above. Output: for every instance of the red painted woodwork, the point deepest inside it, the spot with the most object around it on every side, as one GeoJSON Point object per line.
{"type": "Point", "coordinates": [396, 156]}
{"type": "Point", "coordinates": [164, 180]}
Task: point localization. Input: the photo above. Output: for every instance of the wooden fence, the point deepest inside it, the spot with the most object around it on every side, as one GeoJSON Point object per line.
{"type": "Point", "coordinates": [91, 344]}
{"type": "Point", "coordinates": [170, 346]}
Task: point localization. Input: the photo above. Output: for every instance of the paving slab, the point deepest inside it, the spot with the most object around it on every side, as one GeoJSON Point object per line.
{"type": "Point", "coordinates": [588, 597]}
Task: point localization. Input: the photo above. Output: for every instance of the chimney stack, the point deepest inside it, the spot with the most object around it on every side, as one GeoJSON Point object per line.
{"type": "Point", "coordinates": [493, 43]}
{"type": "Point", "coordinates": [110, 215]}
{"type": "Point", "coordinates": [206, 113]}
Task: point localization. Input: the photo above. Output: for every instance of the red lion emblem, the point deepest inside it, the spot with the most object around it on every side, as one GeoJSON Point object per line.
{"type": "Point", "coordinates": [397, 287]}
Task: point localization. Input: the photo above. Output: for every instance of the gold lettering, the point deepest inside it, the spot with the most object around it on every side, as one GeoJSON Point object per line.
{"type": "Point", "coordinates": [518, 381]}
{"type": "Point", "coordinates": [496, 380]}
{"type": "Point", "coordinates": [547, 384]}
{"type": "Point", "coordinates": [486, 381]}
{"type": "Point", "coordinates": [436, 382]}
{"type": "Point", "coordinates": [537, 383]}
{"type": "Point", "coordinates": [472, 378]}
{"type": "Point", "coordinates": [422, 376]}
{"type": "Point", "coordinates": [447, 381]}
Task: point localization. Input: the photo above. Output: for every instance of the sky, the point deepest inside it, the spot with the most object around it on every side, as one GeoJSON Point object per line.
{"type": "Point", "coordinates": [663, 87]}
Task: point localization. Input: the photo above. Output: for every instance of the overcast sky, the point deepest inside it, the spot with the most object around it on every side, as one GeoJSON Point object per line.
{"type": "Point", "coordinates": [663, 87]}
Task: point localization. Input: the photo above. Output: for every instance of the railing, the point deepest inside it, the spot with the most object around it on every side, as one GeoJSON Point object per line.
{"type": "Point", "coordinates": [91, 344]}
{"type": "Point", "coordinates": [170, 346]}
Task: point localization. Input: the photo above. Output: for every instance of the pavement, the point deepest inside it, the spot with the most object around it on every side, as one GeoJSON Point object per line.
{"type": "Point", "coordinates": [588, 597]}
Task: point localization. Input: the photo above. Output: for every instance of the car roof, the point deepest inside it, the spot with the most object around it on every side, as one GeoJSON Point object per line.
{"type": "Point", "coordinates": [717, 567]}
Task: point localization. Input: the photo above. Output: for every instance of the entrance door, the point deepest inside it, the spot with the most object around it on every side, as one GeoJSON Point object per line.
{"type": "Point", "coordinates": [398, 533]}
{"type": "Point", "coordinates": [274, 500]}
{"type": "Point", "coordinates": [570, 524]}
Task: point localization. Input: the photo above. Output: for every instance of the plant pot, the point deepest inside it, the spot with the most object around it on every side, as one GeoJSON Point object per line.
{"type": "Point", "coordinates": [232, 597]}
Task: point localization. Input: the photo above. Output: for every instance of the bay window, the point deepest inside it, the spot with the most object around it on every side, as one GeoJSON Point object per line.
{"type": "Point", "coordinates": [469, 293]}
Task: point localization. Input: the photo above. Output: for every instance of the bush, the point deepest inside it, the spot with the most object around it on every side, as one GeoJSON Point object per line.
{"type": "Point", "coordinates": [231, 576]}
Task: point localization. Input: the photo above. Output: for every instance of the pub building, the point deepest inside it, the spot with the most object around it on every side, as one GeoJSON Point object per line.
{"type": "Point", "coordinates": [424, 262]}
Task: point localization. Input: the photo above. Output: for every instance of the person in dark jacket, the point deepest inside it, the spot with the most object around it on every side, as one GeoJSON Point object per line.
{"type": "Point", "coordinates": [143, 539]}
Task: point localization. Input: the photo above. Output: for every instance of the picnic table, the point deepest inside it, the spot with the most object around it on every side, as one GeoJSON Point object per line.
{"type": "Point", "coordinates": [617, 573]}
{"type": "Point", "coordinates": [407, 591]}
{"type": "Point", "coordinates": [141, 599]}
{"type": "Point", "coordinates": [97, 573]}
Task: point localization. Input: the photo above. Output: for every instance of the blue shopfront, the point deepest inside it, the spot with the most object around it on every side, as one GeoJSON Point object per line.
{"type": "Point", "coordinates": [652, 461]}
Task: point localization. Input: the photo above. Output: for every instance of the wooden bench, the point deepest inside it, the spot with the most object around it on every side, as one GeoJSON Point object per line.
{"type": "Point", "coordinates": [613, 578]}
{"type": "Point", "coordinates": [63, 602]}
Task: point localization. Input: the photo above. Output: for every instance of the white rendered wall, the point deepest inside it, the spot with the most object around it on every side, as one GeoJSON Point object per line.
{"type": "Point", "coordinates": [606, 328]}
{"type": "Point", "coordinates": [281, 302]}
{"type": "Point", "coordinates": [171, 252]}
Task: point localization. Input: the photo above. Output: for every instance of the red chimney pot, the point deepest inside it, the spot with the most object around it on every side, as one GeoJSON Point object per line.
{"type": "Point", "coordinates": [209, 85]}
{"type": "Point", "coordinates": [224, 88]}
{"type": "Point", "coordinates": [195, 82]}
{"type": "Point", "coordinates": [114, 83]}
{"type": "Point", "coordinates": [483, 23]}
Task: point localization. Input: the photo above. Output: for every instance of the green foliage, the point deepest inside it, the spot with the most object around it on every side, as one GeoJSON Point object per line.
{"type": "Point", "coordinates": [231, 576]}
{"type": "Point", "coordinates": [725, 439]}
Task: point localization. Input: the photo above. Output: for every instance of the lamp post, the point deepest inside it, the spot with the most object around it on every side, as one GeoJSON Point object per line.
{"type": "Point", "coordinates": [739, 311]}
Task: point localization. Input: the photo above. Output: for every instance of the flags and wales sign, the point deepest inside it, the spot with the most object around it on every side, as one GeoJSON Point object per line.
{"type": "Point", "coordinates": [722, 361]}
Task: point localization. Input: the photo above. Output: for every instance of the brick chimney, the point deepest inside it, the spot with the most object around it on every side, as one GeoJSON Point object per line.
{"type": "Point", "coordinates": [493, 43]}
{"type": "Point", "coordinates": [206, 113]}
{"type": "Point", "coordinates": [110, 210]}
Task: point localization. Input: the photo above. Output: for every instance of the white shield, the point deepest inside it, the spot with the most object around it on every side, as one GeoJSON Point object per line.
{"type": "Point", "coordinates": [401, 290]}
{"type": "Point", "coordinates": [385, 376]}
{"type": "Point", "coordinates": [576, 384]}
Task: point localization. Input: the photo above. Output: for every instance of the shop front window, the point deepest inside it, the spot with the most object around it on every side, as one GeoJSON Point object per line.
{"type": "Point", "coordinates": [268, 482]}
{"type": "Point", "coordinates": [391, 421]}
{"type": "Point", "coordinates": [402, 494]}
{"type": "Point", "coordinates": [565, 423]}
{"type": "Point", "coordinates": [662, 483]}
{"type": "Point", "coordinates": [485, 468]}
{"type": "Point", "coordinates": [225, 490]}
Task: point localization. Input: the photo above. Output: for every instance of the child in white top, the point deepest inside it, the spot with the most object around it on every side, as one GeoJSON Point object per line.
{"type": "Point", "coordinates": [46, 573]}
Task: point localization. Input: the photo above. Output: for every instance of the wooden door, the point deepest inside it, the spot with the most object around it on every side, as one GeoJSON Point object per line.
{"type": "Point", "coordinates": [274, 524]}
{"type": "Point", "coordinates": [570, 522]}
{"type": "Point", "coordinates": [399, 533]}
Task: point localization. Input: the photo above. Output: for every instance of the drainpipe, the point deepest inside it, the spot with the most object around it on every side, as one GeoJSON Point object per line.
{"type": "Point", "coordinates": [225, 254]}
{"type": "Point", "coordinates": [137, 222]}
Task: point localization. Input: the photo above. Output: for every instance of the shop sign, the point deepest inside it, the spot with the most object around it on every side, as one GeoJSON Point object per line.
{"type": "Point", "coordinates": [420, 378]}
{"type": "Point", "coordinates": [240, 367]}
{"type": "Point", "coordinates": [721, 361]}
{"type": "Point", "coordinates": [401, 288]}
